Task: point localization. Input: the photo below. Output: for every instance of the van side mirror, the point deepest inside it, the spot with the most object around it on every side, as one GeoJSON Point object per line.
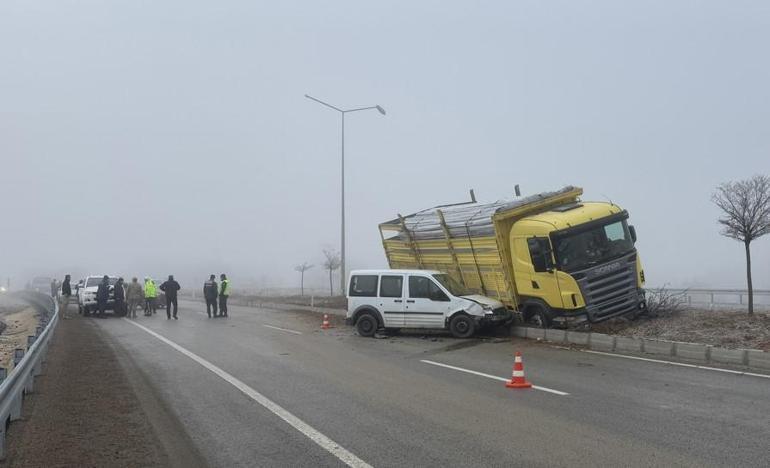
{"type": "Point", "coordinates": [632, 231]}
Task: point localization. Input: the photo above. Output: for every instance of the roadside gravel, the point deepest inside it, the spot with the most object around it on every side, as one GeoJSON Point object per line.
{"type": "Point", "coordinates": [90, 408]}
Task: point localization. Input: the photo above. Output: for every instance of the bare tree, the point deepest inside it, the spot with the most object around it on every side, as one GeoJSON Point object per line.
{"type": "Point", "coordinates": [331, 263]}
{"type": "Point", "coordinates": [302, 268]}
{"type": "Point", "coordinates": [745, 206]}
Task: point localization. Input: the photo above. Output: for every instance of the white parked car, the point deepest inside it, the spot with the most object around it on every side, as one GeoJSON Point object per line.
{"type": "Point", "coordinates": [394, 299]}
{"type": "Point", "coordinates": [87, 294]}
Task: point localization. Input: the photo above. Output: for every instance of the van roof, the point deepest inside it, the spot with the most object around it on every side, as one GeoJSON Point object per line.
{"type": "Point", "coordinates": [396, 272]}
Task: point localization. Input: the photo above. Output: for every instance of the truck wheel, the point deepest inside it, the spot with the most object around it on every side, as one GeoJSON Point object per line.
{"type": "Point", "coordinates": [541, 318]}
{"type": "Point", "coordinates": [462, 326]}
{"type": "Point", "coordinates": [366, 325]}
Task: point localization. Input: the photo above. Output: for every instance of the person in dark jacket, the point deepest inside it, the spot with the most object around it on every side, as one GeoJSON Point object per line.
{"type": "Point", "coordinates": [210, 291]}
{"type": "Point", "coordinates": [66, 293]}
{"type": "Point", "coordinates": [170, 287]}
{"type": "Point", "coordinates": [120, 297]}
{"type": "Point", "coordinates": [103, 295]}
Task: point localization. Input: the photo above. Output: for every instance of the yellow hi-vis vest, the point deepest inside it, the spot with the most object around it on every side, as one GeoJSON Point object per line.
{"type": "Point", "coordinates": [149, 289]}
{"type": "Point", "coordinates": [224, 288]}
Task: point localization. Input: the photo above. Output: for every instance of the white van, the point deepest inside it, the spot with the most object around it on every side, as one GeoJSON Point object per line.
{"type": "Point", "coordinates": [394, 299]}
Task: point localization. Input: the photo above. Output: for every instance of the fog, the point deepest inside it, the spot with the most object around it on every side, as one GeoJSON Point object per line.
{"type": "Point", "coordinates": [154, 138]}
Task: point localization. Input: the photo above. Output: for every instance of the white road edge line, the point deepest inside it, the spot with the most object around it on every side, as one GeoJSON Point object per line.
{"type": "Point", "coordinates": [324, 442]}
{"type": "Point", "coordinates": [282, 329]}
{"type": "Point", "coordinates": [493, 377]}
{"type": "Point", "coordinates": [681, 364]}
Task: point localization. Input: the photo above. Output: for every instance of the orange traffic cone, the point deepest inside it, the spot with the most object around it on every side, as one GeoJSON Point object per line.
{"type": "Point", "coordinates": [325, 325]}
{"type": "Point", "coordinates": [517, 379]}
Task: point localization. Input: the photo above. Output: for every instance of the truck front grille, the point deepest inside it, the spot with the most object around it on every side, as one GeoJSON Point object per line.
{"type": "Point", "coordinates": [610, 289]}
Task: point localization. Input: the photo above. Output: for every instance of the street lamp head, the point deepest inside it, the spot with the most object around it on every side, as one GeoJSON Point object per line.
{"type": "Point", "coordinates": [380, 109]}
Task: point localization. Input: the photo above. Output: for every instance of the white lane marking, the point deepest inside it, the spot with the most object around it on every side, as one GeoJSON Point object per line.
{"type": "Point", "coordinates": [681, 364]}
{"type": "Point", "coordinates": [324, 442]}
{"type": "Point", "coordinates": [493, 377]}
{"type": "Point", "coordinates": [282, 329]}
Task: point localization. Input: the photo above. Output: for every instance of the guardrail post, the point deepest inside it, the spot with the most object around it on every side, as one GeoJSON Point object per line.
{"type": "Point", "coordinates": [31, 340]}
{"type": "Point", "coordinates": [15, 412]}
{"type": "Point", "coordinates": [3, 374]}
{"type": "Point", "coordinates": [29, 385]}
{"type": "Point", "coordinates": [2, 440]}
{"type": "Point", "coordinates": [38, 331]}
{"type": "Point", "coordinates": [18, 355]}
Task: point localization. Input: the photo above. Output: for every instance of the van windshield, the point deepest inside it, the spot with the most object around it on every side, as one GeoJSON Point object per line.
{"type": "Point", "coordinates": [449, 283]}
{"type": "Point", "coordinates": [95, 281]}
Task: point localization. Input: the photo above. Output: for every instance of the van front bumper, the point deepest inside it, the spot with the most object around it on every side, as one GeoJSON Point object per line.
{"type": "Point", "coordinates": [499, 316]}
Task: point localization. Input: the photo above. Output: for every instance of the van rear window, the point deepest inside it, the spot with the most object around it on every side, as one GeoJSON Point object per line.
{"type": "Point", "coordinates": [363, 285]}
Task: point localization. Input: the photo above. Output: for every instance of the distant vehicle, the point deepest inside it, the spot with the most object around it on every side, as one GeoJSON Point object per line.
{"type": "Point", "coordinates": [87, 295]}
{"type": "Point", "coordinates": [394, 299]}
{"type": "Point", "coordinates": [41, 284]}
{"type": "Point", "coordinates": [551, 256]}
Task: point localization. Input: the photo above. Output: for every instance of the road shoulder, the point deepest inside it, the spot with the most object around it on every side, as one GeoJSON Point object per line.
{"type": "Point", "coordinates": [92, 407]}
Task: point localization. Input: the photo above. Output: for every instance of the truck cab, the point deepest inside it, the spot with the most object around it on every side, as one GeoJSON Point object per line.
{"type": "Point", "coordinates": [577, 261]}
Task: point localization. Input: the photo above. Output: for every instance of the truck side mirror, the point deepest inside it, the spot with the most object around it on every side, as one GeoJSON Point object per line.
{"type": "Point", "coordinates": [548, 260]}
{"type": "Point", "coordinates": [632, 231]}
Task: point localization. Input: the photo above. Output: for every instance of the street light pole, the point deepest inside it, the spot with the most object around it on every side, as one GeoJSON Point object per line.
{"type": "Point", "coordinates": [342, 178]}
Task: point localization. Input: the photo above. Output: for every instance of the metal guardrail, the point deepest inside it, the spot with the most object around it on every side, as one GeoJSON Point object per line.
{"type": "Point", "coordinates": [731, 298]}
{"type": "Point", "coordinates": [27, 364]}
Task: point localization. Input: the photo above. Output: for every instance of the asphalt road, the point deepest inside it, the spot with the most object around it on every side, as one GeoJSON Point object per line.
{"type": "Point", "coordinates": [251, 395]}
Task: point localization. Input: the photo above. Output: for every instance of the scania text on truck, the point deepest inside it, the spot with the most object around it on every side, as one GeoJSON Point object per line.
{"type": "Point", "coordinates": [551, 257]}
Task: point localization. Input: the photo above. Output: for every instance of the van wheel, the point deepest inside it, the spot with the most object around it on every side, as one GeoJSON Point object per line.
{"type": "Point", "coordinates": [366, 325]}
{"type": "Point", "coordinates": [462, 326]}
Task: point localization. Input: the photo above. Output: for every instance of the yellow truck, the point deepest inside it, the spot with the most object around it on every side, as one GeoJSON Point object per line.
{"type": "Point", "coordinates": [550, 257]}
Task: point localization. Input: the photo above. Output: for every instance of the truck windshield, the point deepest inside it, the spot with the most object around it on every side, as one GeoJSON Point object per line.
{"type": "Point", "coordinates": [584, 248]}
{"type": "Point", "coordinates": [454, 288]}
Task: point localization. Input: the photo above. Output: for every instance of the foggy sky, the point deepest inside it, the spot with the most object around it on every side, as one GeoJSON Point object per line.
{"type": "Point", "coordinates": [142, 137]}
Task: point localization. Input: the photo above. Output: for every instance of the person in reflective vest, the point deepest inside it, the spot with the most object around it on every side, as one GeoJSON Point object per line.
{"type": "Point", "coordinates": [224, 293]}
{"type": "Point", "coordinates": [150, 293]}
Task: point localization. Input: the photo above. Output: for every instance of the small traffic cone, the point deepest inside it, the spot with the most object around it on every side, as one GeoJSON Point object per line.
{"type": "Point", "coordinates": [325, 325]}
{"type": "Point", "coordinates": [517, 379]}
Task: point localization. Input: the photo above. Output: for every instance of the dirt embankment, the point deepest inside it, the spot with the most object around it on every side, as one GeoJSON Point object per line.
{"type": "Point", "coordinates": [17, 321]}
{"type": "Point", "coordinates": [87, 412]}
{"type": "Point", "coordinates": [728, 329]}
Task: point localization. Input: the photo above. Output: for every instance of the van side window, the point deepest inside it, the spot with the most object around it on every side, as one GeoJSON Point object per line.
{"type": "Point", "coordinates": [363, 285]}
{"type": "Point", "coordinates": [538, 249]}
{"type": "Point", "coordinates": [421, 287]}
{"type": "Point", "coordinates": [391, 286]}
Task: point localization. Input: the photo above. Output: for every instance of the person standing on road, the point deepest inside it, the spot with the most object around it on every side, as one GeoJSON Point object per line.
{"type": "Point", "coordinates": [224, 293]}
{"type": "Point", "coordinates": [150, 293]}
{"type": "Point", "coordinates": [66, 293]}
{"type": "Point", "coordinates": [170, 287]}
{"type": "Point", "coordinates": [120, 297]}
{"type": "Point", "coordinates": [54, 289]}
{"type": "Point", "coordinates": [134, 297]}
{"type": "Point", "coordinates": [103, 295]}
{"type": "Point", "coordinates": [210, 291]}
